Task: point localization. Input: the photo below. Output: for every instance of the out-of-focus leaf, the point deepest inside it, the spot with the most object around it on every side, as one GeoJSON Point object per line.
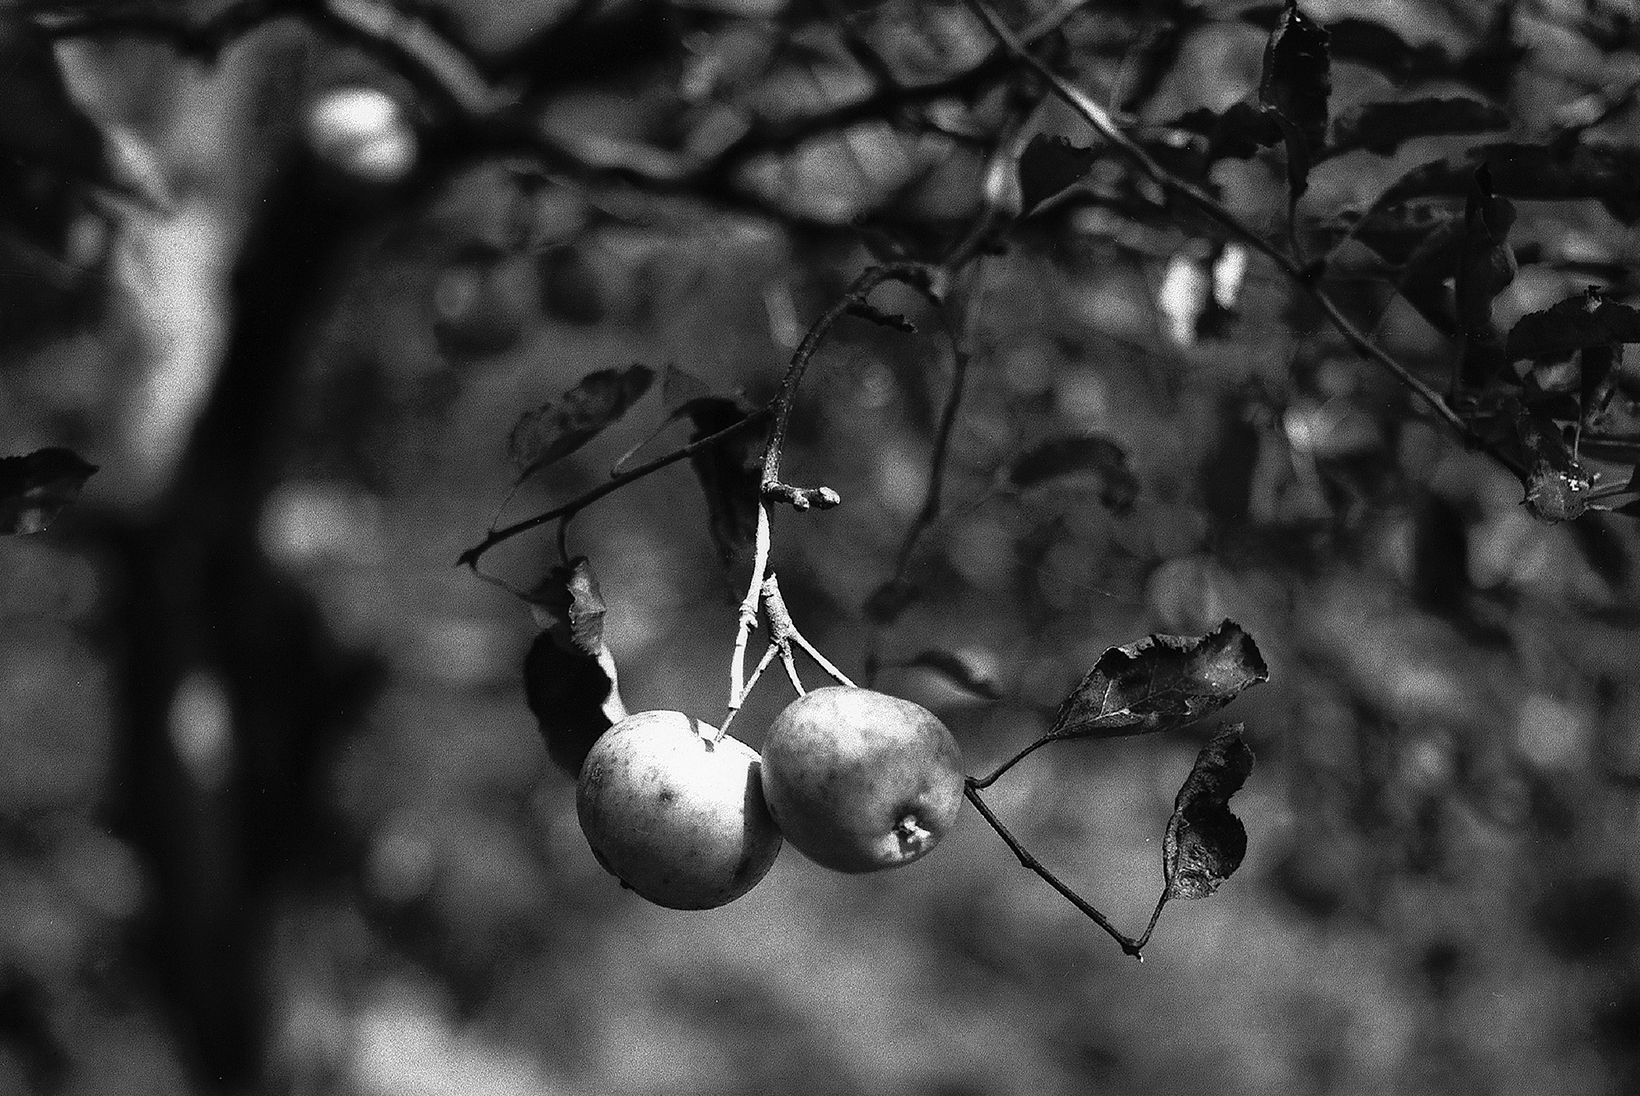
{"type": "Point", "coordinates": [1486, 266]}
{"type": "Point", "coordinates": [1382, 128]}
{"type": "Point", "coordinates": [888, 601]}
{"type": "Point", "coordinates": [569, 286]}
{"type": "Point", "coordinates": [1049, 165]}
{"type": "Point", "coordinates": [1557, 486]}
{"type": "Point", "coordinates": [34, 488]}
{"type": "Point", "coordinates": [1237, 132]}
{"type": "Point", "coordinates": [560, 427]}
{"type": "Point", "coordinates": [1294, 87]}
{"type": "Point", "coordinates": [1084, 455]}
{"type": "Point", "coordinates": [1577, 322]}
{"type": "Point", "coordinates": [41, 124]}
{"type": "Point", "coordinates": [1205, 843]}
{"type": "Point", "coordinates": [1161, 682]}
{"type": "Point", "coordinates": [1534, 173]}
{"type": "Point", "coordinates": [960, 670]}
{"type": "Point", "coordinates": [570, 680]}
{"type": "Point", "coordinates": [730, 473]}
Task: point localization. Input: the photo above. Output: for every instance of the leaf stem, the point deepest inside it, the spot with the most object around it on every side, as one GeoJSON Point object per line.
{"type": "Point", "coordinates": [1129, 945]}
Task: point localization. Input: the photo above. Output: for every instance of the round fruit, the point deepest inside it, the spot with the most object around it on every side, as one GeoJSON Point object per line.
{"type": "Point", "coordinates": [675, 816]}
{"type": "Point", "coordinates": [859, 780]}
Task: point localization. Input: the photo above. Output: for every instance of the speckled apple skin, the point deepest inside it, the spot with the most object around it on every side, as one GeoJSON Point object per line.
{"type": "Point", "coordinates": [677, 818]}
{"type": "Point", "coordinates": [843, 768]}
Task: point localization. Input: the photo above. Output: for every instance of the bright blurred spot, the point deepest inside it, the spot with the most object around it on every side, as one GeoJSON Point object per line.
{"type": "Point", "coordinates": [401, 862]}
{"type": "Point", "coordinates": [1549, 733]}
{"type": "Point", "coordinates": [304, 524]}
{"type": "Point", "coordinates": [363, 132]}
{"type": "Point", "coordinates": [1182, 297]}
{"type": "Point", "coordinates": [201, 728]}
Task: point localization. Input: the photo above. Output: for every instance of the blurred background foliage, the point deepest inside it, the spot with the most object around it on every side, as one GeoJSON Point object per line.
{"type": "Point", "coordinates": [274, 815]}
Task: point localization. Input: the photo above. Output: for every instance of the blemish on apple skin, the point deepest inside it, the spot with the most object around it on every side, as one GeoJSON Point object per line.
{"type": "Point", "coordinates": [911, 835]}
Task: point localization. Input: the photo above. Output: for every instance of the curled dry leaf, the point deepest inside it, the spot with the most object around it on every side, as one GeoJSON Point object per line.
{"type": "Point", "coordinates": [1161, 682]}
{"type": "Point", "coordinates": [1205, 843]}
{"type": "Point", "coordinates": [570, 681]}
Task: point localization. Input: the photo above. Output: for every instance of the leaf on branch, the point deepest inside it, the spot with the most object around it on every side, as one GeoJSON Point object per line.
{"type": "Point", "coordinates": [35, 488]}
{"type": "Point", "coordinates": [560, 427]}
{"type": "Point", "coordinates": [1049, 165]}
{"type": "Point", "coordinates": [1294, 87]}
{"type": "Point", "coordinates": [730, 473]}
{"type": "Point", "coordinates": [1161, 682]}
{"type": "Point", "coordinates": [1089, 455]}
{"type": "Point", "coordinates": [1557, 486]}
{"type": "Point", "coordinates": [1205, 842]}
{"type": "Point", "coordinates": [1382, 128]}
{"type": "Point", "coordinates": [1578, 322]}
{"type": "Point", "coordinates": [960, 670]}
{"type": "Point", "coordinates": [570, 681]}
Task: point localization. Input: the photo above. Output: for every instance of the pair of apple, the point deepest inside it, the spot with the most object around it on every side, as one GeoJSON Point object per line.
{"type": "Point", "coordinates": [857, 780]}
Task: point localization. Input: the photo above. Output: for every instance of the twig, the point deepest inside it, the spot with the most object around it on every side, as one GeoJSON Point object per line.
{"type": "Point", "coordinates": [1129, 945]}
{"type": "Point", "coordinates": [747, 619]}
{"type": "Point", "coordinates": [1102, 121]}
{"type": "Point", "coordinates": [494, 537]}
{"type": "Point", "coordinates": [915, 275]}
{"type": "Point", "coordinates": [784, 631]}
{"type": "Point", "coordinates": [1012, 761]}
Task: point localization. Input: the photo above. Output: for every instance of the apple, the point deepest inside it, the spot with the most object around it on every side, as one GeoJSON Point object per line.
{"type": "Point", "coordinates": [674, 815]}
{"type": "Point", "coordinates": [859, 780]}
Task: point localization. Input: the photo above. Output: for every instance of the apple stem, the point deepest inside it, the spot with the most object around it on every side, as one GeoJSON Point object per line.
{"type": "Point", "coordinates": [1026, 859]}
{"type": "Point", "coordinates": [747, 619]}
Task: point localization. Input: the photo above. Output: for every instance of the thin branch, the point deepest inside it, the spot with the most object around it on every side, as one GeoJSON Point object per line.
{"type": "Point", "coordinates": [915, 275]}
{"type": "Point", "coordinates": [1129, 945]}
{"type": "Point", "coordinates": [470, 557]}
{"type": "Point", "coordinates": [1102, 121]}
{"type": "Point", "coordinates": [996, 774]}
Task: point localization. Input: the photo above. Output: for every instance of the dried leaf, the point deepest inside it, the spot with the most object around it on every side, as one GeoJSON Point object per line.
{"type": "Point", "coordinates": [1557, 486]}
{"type": "Point", "coordinates": [560, 427]}
{"type": "Point", "coordinates": [1080, 455]}
{"type": "Point", "coordinates": [34, 488]}
{"type": "Point", "coordinates": [1575, 323]}
{"type": "Point", "coordinates": [570, 680]}
{"type": "Point", "coordinates": [1161, 682]}
{"type": "Point", "coordinates": [1205, 843]}
{"type": "Point", "coordinates": [1294, 88]}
